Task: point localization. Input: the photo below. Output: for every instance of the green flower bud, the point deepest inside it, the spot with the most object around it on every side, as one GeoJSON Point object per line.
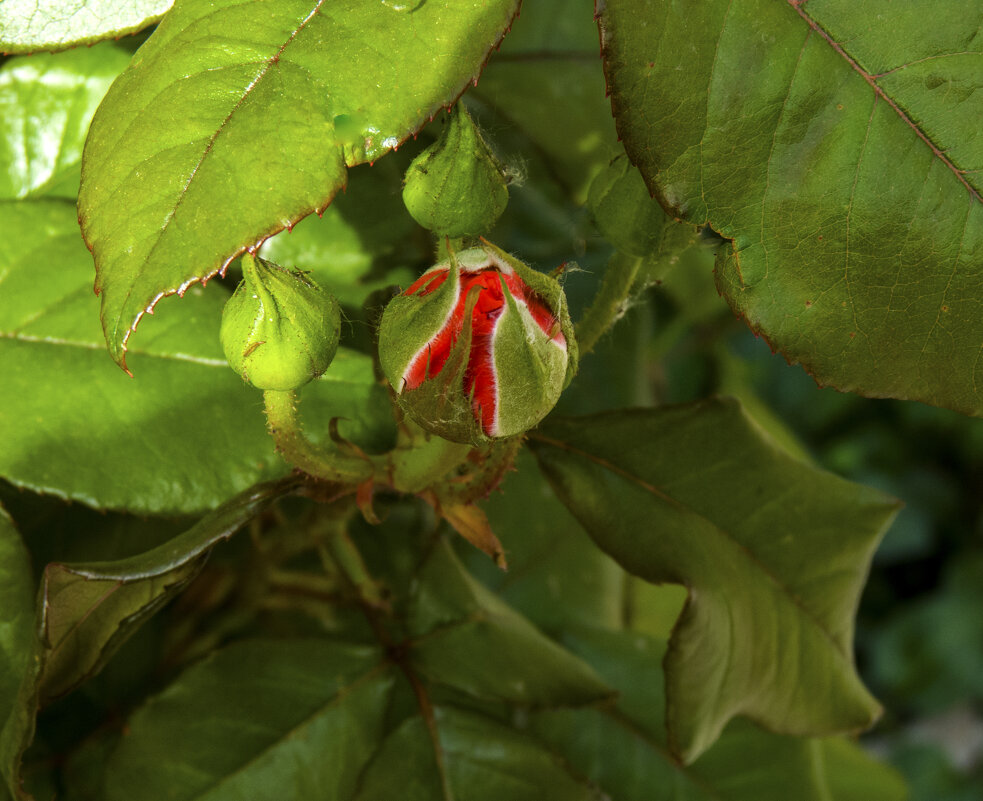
{"type": "Point", "coordinates": [279, 329]}
{"type": "Point", "coordinates": [455, 187]}
{"type": "Point", "coordinates": [479, 347]}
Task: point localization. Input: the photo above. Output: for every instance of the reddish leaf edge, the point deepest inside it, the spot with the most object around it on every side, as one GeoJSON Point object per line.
{"type": "Point", "coordinates": [676, 214]}
{"type": "Point", "coordinates": [119, 354]}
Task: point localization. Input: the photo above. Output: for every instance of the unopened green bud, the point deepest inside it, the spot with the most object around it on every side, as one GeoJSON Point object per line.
{"type": "Point", "coordinates": [279, 329]}
{"type": "Point", "coordinates": [479, 348]}
{"type": "Point", "coordinates": [455, 187]}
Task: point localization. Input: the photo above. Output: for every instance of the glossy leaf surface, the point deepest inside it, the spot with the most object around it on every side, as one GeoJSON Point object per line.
{"type": "Point", "coordinates": [16, 650]}
{"type": "Point", "coordinates": [837, 143]}
{"type": "Point", "coordinates": [469, 639]}
{"type": "Point", "coordinates": [29, 25]}
{"type": "Point", "coordinates": [360, 243]}
{"type": "Point", "coordinates": [137, 444]}
{"type": "Point", "coordinates": [774, 552]}
{"type": "Point", "coordinates": [46, 104]}
{"type": "Point", "coordinates": [624, 750]}
{"type": "Point", "coordinates": [285, 95]}
{"type": "Point", "coordinates": [264, 720]}
{"type": "Point", "coordinates": [479, 759]}
{"type": "Point", "coordinates": [88, 610]}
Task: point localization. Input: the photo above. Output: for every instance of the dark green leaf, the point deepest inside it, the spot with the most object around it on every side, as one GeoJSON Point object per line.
{"type": "Point", "coordinates": [837, 144]}
{"type": "Point", "coordinates": [29, 25]}
{"type": "Point", "coordinates": [774, 551]}
{"type": "Point", "coordinates": [46, 104]}
{"type": "Point", "coordinates": [547, 82]}
{"type": "Point", "coordinates": [631, 220]}
{"type": "Point", "coordinates": [285, 96]}
{"type": "Point", "coordinates": [556, 575]}
{"type": "Point", "coordinates": [88, 610]}
{"type": "Point", "coordinates": [624, 212]}
{"type": "Point", "coordinates": [625, 751]}
{"type": "Point", "coordinates": [182, 437]}
{"type": "Point", "coordinates": [478, 759]}
{"type": "Point", "coordinates": [16, 651]}
{"type": "Point", "coordinates": [285, 720]}
{"type": "Point", "coordinates": [467, 638]}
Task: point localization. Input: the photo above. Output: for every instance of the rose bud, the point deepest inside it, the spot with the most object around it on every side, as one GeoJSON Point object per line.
{"type": "Point", "coordinates": [279, 328]}
{"type": "Point", "coordinates": [455, 187]}
{"type": "Point", "coordinates": [479, 347]}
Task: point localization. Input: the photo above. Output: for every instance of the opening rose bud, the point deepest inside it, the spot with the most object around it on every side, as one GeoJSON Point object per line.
{"type": "Point", "coordinates": [479, 347]}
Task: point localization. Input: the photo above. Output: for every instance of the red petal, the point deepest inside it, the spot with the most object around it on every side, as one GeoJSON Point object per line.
{"type": "Point", "coordinates": [480, 380]}
{"type": "Point", "coordinates": [429, 281]}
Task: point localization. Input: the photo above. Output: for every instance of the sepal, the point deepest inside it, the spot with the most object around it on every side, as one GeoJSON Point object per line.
{"type": "Point", "coordinates": [280, 330]}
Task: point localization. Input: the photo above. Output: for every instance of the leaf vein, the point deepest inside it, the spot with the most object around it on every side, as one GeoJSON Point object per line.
{"type": "Point", "coordinates": [727, 535]}
{"type": "Point", "coordinates": [208, 149]}
{"type": "Point", "coordinates": [871, 80]}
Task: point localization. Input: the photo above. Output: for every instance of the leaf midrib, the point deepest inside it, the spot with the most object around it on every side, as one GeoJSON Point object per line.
{"type": "Point", "coordinates": [636, 731]}
{"type": "Point", "coordinates": [786, 592]}
{"type": "Point", "coordinates": [99, 346]}
{"type": "Point", "coordinates": [322, 709]}
{"type": "Point", "coordinates": [797, 5]}
{"type": "Point", "coordinates": [275, 58]}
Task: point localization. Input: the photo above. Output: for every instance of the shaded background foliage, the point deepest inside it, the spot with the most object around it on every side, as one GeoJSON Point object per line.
{"type": "Point", "coordinates": [920, 634]}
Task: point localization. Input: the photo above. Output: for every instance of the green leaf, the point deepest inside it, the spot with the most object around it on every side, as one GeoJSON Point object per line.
{"type": "Point", "coordinates": [624, 212]}
{"type": "Point", "coordinates": [546, 82]}
{"type": "Point", "coordinates": [284, 95]}
{"type": "Point", "coordinates": [279, 720]}
{"type": "Point", "coordinates": [87, 611]}
{"type": "Point", "coordinates": [556, 575]}
{"type": "Point", "coordinates": [843, 160]}
{"type": "Point", "coordinates": [29, 25]}
{"type": "Point", "coordinates": [469, 639]}
{"type": "Point", "coordinates": [363, 231]}
{"type": "Point", "coordinates": [774, 553]}
{"type": "Point", "coordinates": [183, 437]}
{"type": "Point", "coordinates": [46, 104]}
{"type": "Point", "coordinates": [349, 392]}
{"type": "Point", "coordinates": [624, 750]}
{"type": "Point", "coordinates": [631, 220]}
{"type": "Point", "coordinates": [476, 759]}
{"type": "Point", "coordinates": [16, 651]}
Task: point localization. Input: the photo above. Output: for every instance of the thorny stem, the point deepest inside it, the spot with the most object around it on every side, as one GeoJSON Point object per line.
{"type": "Point", "coordinates": [611, 301]}
{"type": "Point", "coordinates": [329, 465]}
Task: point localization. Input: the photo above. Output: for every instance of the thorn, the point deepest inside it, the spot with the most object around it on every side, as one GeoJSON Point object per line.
{"type": "Point", "coordinates": [363, 499]}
